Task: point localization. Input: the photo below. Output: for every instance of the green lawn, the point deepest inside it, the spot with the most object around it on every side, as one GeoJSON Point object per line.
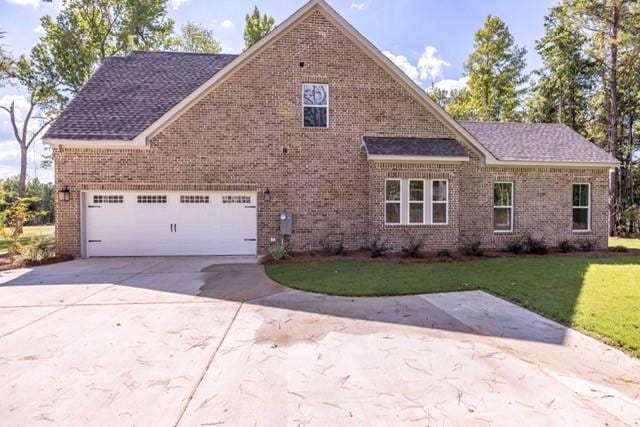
{"type": "Point", "coordinates": [45, 231]}
{"type": "Point", "coordinates": [599, 295]}
{"type": "Point", "coordinates": [627, 243]}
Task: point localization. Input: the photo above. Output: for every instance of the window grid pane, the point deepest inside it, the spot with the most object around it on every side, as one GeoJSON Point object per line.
{"type": "Point", "coordinates": [392, 191]}
{"type": "Point", "coordinates": [392, 212]}
{"type": "Point", "coordinates": [416, 191]}
{"type": "Point", "coordinates": [502, 219]}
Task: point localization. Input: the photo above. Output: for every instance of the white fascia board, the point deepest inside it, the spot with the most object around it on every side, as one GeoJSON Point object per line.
{"type": "Point", "coordinates": [552, 164]}
{"type": "Point", "coordinates": [94, 143]}
{"type": "Point", "coordinates": [387, 157]}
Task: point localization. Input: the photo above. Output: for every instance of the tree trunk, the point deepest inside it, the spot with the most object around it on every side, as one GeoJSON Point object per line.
{"type": "Point", "coordinates": [613, 114]}
{"type": "Point", "coordinates": [22, 183]}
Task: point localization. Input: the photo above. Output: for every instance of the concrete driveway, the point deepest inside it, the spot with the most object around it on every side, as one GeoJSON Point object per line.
{"type": "Point", "coordinates": [212, 341]}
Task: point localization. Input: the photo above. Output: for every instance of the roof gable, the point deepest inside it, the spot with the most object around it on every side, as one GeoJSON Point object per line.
{"type": "Point", "coordinates": [140, 140]}
{"type": "Point", "coordinates": [128, 94]}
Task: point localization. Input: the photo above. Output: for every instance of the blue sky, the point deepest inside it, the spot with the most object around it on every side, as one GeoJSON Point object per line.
{"type": "Point", "coordinates": [429, 39]}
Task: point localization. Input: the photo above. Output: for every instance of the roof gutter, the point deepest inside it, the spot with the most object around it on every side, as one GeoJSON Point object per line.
{"type": "Point", "coordinates": [95, 143]}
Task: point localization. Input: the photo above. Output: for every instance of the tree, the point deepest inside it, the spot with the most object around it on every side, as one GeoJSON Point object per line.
{"type": "Point", "coordinates": [455, 102]}
{"type": "Point", "coordinates": [495, 71]}
{"type": "Point", "coordinates": [5, 62]}
{"type": "Point", "coordinates": [256, 27]}
{"type": "Point", "coordinates": [195, 38]}
{"type": "Point", "coordinates": [613, 27]}
{"type": "Point", "coordinates": [561, 91]}
{"type": "Point", "coordinates": [43, 100]}
{"type": "Point", "coordinates": [86, 32]}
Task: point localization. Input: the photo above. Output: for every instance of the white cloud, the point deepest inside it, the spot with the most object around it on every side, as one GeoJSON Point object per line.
{"type": "Point", "coordinates": [452, 84]}
{"type": "Point", "coordinates": [175, 4]}
{"type": "Point", "coordinates": [21, 106]}
{"type": "Point", "coordinates": [358, 6]}
{"type": "Point", "coordinates": [32, 3]}
{"type": "Point", "coordinates": [430, 66]}
{"type": "Point", "coordinates": [403, 63]}
{"type": "Point", "coordinates": [39, 29]}
{"type": "Point", "coordinates": [227, 24]}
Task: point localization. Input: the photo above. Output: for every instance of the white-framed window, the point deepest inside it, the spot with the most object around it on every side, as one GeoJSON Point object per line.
{"type": "Point", "coordinates": [315, 105]}
{"type": "Point", "coordinates": [416, 201]}
{"type": "Point", "coordinates": [581, 196]}
{"type": "Point", "coordinates": [392, 214]}
{"type": "Point", "coordinates": [101, 198]}
{"type": "Point", "coordinates": [502, 207]}
{"type": "Point", "coordinates": [439, 201]}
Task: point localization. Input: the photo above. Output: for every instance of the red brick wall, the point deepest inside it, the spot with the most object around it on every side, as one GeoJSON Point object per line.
{"type": "Point", "coordinates": [233, 139]}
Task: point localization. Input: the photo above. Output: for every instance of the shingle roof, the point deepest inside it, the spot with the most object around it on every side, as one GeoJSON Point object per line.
{"type": "Point", "coordinates": [430, 147]}
{"type": "Point", "coordinates": [540, 142]}
{"type": "Point", "coordinates": [127, 94]}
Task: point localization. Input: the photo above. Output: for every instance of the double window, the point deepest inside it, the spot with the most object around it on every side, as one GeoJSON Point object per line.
{"type": "Point", "coordinates": [416, 201]}
{"type": "Point", "coordinates": [315, 105]}
{"type": "Point", "coordinates": [503, 206]}
{"type": "Point", "coordinates": [581, 207]}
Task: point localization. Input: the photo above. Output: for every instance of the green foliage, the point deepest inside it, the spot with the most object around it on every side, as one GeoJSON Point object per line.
{"type": "Point", "coordinates": [378, 249]}
{"type": "Point", "coordinates": [620, 248]}
{"type": "Point", "coordinates": [585, 245]}
{"type": "Point", "coordinates": [413, 247]}
{"type": "Point", "coordinates": [43, 195]}
{"type": "Point", "coordinates": [86, 32]}
{"type": "Point", "coordinates": [280, 250]}
{"type": "Point", "coordinates": [560, 93]}
{"type": "Point", "coordinates": [194, 38]}
{"type": "Point", "coordinates": [495, 70]}
{"type": "Point", "coordinates": [472, 248]}
{"type": "Point", "coordinates": [15, 213]}
{"type": "Point", "coordinates": [256, 27]}
{"type": "Point", "coordinates": [566, 246]}
{"type": "Point", "coordinates": [444, 253]}
{"type": "Point", "coordinates": [37, 249]}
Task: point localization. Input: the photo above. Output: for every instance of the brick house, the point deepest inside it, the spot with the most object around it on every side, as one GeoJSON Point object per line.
{"type": "Point", "coordinates": [312, 132]}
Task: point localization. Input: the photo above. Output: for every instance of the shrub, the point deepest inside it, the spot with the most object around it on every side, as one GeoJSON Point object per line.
{"type": "Point", "coordinates": [585, 245]}
{"type": "Point", "coordinates": [36, 250]}
{"type": "Point", "coordinates": [566, 246]}
{"type": "Point", "coordinates": [535, 246]}
{"type": "Point", "coordinates": [378, 249]}
{"type": "Point", "coordinates": [472, 248]}
{"type": "Point", "coordinates": [620, 248]}
{"type": "Point", "coordinates": [517, 246]}
{"type": "Point", "coordinates": [280, 250]}
{"type": "Point", "coordinates": [444, 253]}
{"type": "Point", "coordinates": [328, 248]}
{"type": "Point", "coordinates": [413, 247]}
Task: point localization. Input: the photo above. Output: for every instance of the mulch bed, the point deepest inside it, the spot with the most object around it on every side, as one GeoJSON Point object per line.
{"type": "Point", "coordinates": [456, 256]}
{"type": "Point", "coordinates": [6, 263]}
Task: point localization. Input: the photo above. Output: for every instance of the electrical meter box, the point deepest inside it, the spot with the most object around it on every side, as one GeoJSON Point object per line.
{"type": "Point", "coordinates": [286, 223]}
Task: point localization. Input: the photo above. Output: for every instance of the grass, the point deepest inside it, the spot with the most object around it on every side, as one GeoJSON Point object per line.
{"type": "Point", "coordinates": [597, 295]}
{"type": "Point", "coordinates": [44, 231]}
{"type": "Point", "coordinates": [627, 243]}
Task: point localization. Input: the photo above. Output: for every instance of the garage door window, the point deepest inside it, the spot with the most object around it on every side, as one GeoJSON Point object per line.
{"type": "Point", "coordinates": [146, 199]}
{"type": "Point", "coordinates": [108, 199]}
{"type": "Point", "coordinates": [194, 199]}
{"type": "Point", "coordinates": [236, 199]}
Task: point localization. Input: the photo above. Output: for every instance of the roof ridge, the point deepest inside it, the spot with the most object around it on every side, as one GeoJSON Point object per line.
{"type": "Point", "coordinates": [511, 123]}
{"type": "Point", "coordinates": [137, 52]}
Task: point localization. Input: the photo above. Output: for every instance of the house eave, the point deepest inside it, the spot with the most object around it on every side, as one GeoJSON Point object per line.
{"type": "Point", "coordinates": [95, 143]}
{"type": "Point", "coordinates": [398, 158]}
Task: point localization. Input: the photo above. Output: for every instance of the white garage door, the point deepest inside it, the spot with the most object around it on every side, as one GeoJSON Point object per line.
{"type": "Point", "coordinates": [170, 223]}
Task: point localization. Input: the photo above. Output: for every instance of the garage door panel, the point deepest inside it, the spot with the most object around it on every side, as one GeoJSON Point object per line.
{"type": "Point", "coordinates": [173, 223]}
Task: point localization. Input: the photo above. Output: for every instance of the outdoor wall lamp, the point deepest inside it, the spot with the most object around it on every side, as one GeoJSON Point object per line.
{"type": "Point", "coordinates": [267, 195]}
{"type": "Point", "coordinates": [65, 194]}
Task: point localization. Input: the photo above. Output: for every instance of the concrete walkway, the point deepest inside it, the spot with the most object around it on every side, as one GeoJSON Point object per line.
{"type": "Point", "coordinates": [213, 341]}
